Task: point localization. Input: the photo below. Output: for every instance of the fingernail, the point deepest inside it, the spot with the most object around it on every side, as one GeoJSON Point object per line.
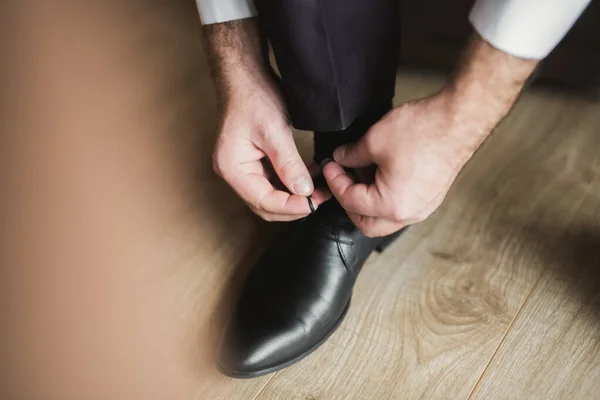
{"type": "Point", "coordinates": [302, 186]}
{"type": "Point", "coordinates": [325, 162]}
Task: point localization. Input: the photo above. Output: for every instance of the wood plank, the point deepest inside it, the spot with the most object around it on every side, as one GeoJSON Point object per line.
{"type": "Point", "coordinates": [429, 314]}
{"type": "Point", "coordinates": [553, 349]}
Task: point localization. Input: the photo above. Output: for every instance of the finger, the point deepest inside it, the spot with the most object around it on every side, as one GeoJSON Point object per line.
{"type": "Point", "coordinates": [375, 226]}
{"type": "Point", "coordinates": [353, 155]}
{"type": "Point", "coordinates": [288, 164]}
{"type": "Point", "coordinates": [257, 190]}
{"type": "Point", "coordinates": [292, 204]}
{"type": "Point", "coordinates": [320, 196]}
{"type": "Point", "coordinates": [280, 202]}
{"type": "Point", "coordinates": [271, 217]}
{"type": "Point", "coordinates": [358, 198]}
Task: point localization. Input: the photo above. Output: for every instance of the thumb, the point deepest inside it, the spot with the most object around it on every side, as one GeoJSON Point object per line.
{"type": "Point", "coordinates": [353, 155]}
{"type": "Point", "coordinates": [289, 166]}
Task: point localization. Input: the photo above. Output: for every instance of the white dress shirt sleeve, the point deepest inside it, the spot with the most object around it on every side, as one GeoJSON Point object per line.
{"type": "Point", "coordinates": [525, 28]}
{"type": "Point", "coordinates": [214, 11]}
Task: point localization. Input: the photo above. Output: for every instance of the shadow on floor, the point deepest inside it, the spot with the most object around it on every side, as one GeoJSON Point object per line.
{"type": "Point", "coordinates": [571, 253]}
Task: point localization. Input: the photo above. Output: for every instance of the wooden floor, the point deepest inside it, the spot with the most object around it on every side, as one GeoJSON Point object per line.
{"type": "Point", "coordinates": [496, 296]}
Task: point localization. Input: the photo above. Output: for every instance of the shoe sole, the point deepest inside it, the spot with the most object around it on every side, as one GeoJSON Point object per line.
{"type": "Point", "coordinates": [256, 374]}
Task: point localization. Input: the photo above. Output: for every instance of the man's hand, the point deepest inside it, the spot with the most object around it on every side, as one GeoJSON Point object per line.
{"type": "Point", "coordinates": [420, 147]}
{"type": "Point", "coordinates": [255, 151]}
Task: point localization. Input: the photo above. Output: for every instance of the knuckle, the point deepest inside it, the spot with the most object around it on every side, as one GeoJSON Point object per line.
{"type": "Point", "coordinates": [400, 213]}
{"type": "Point", "coordinates": [275, 126]}
{"type": "Point", "coordinates": [257, 203]}
{"type": "Point", "coordinates": [368, 231]}
{"type": "Point", "coordinates": [267, 217]}
{"type": "Point", "coordinates": [262, 214]}
{"type": "Point", "coordinates": [369, 144]}
{"type": "Point", "coordinates": [217, 168]}
{"type": "Point", "coordinates": [219, 164]}
{"type": "Point", "coordinates": [365, 227]}
{"type": "Point", "coordinates": [257, 208]}
{"type": "Point", "coordinates": [424, 216]}
{"type": "Point", "coordinates": [289, 167]}
{"type": "Point", "coordinates": [342, 200]}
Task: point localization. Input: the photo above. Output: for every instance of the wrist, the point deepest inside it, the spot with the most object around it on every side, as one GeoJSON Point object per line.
{"type": "Point", "coordinates": [484, 86]}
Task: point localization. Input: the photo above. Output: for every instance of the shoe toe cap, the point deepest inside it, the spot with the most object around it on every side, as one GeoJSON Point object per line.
{"type": "Point", "coordinates": [257, 345]}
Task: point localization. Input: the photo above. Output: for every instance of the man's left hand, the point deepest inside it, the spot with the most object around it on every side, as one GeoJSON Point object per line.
{"type": "Point", "coordinates": [418, 149]}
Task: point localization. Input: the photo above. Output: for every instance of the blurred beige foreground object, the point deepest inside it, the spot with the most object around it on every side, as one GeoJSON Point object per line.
{"type": "Point", "coordinates": [119, 246]}
{"type": "Point", "coordinates": [105, 239]}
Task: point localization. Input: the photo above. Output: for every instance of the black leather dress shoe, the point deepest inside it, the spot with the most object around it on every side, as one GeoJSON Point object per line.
{"type": "Point", "coordinates": [297, 294]}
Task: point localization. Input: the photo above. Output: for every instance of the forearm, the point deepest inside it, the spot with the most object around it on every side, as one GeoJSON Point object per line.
{"type": "Point", "coordinates": [484, 86]}
{"type": "Point", "coordinates": [512, 36]}
{"type": "Point", "coordinates": [236, 54]}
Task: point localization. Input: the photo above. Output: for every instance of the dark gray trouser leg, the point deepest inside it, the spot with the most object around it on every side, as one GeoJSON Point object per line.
{"type": "Point", "coordinates": [337, 58]}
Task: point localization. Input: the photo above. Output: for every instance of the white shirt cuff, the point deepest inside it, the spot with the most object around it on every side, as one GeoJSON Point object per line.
{"type": "Point", "coordinates": [215, 11]}
{"type": "Point", "coordinates": [525, 28]}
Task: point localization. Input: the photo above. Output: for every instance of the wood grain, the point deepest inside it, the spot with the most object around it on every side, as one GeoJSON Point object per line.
{"type": "Point", "coordinates": [552, 350]}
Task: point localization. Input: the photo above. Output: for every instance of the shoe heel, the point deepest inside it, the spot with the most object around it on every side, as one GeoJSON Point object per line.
{"type": "Point", "coordinates": [388, 240]}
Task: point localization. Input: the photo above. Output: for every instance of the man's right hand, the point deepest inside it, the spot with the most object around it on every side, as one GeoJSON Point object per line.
{"type": "Point", "coordinates": [255, 147]}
